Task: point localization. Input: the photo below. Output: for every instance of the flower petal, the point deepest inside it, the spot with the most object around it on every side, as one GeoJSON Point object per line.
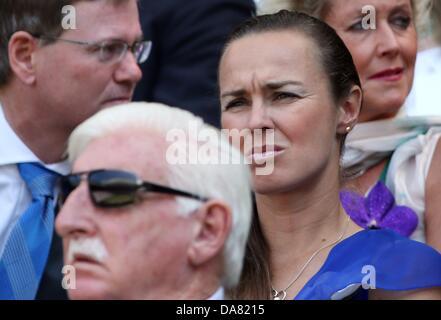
{"type": "Point", "coordinates": [400, 219]}
{"type": "Point", "coordinates": [354, 205]}
{"type": "Point", "coordinates": [379, 201]}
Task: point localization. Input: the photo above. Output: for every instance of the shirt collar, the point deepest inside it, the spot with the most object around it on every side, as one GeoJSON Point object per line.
{"type": "Point", "coordinates": [13, 150]}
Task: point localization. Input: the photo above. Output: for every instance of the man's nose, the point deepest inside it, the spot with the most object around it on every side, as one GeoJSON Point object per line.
{"type": "Point", "coordinates": [128, 70]}
{"type": "Point", "coordinates": [76, 214]}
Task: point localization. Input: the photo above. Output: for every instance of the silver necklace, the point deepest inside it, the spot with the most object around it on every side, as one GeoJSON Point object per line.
{"type": "Point", "coordinates": [281, 294]}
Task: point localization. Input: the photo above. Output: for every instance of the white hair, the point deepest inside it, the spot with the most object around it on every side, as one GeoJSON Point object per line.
{"type": "Point", "coordinates": [227, 182]}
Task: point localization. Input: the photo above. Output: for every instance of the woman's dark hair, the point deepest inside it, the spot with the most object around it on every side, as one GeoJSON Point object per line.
{"type": "Point", "coordinates": [333, 53]}
{"type": "Point", "coordinates": [342, 74]}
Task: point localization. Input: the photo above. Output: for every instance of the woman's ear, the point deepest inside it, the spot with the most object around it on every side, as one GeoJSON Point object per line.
{"type": "Point", "coordinates": [21, 49]}
{"type": "Point", "coordinates": [214, 225]}
{"type": "Point", "coordinates": [349, 110]}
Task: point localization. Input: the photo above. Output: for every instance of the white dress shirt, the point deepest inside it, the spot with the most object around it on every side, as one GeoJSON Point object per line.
{"type": "Point", "coordinates": [14, 195]}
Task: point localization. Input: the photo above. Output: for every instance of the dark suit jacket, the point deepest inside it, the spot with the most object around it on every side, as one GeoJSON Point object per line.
{"type": "Point", "coordinates": [188, 37]}
{"type": "Point", "coordinates": [50, 286]}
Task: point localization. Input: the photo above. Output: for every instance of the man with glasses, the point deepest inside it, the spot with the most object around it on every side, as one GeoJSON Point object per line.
{"type": "Point", "coordinates": [136, 225]}
{"type": "Point", "coordinates": [52, 79]}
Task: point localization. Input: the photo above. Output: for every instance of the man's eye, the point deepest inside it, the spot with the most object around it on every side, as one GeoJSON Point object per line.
{"type": "Point", "coordinates": [94, 48]}
{"type": "Point", "coordinates": [110, 51]}
{"type": "Point", "coordinates": [111, 48]}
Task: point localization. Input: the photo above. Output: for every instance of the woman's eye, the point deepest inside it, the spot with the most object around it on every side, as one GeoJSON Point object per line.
{"type": "Point", "coordinates": [285, 95]}
{"type": "Point", "coordinates": [402, 22]}
{"type": "Point", "coordinates": [234, 104]}
{"type": "Point", "coordinates": [358, 26]}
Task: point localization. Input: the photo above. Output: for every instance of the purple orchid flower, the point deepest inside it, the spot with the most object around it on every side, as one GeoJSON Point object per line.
{"type": "Point", "coordinates": [379, 211]}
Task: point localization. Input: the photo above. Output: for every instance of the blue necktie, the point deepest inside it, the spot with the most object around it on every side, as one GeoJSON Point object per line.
{"type": "Point", "coordinates": [24, 258]}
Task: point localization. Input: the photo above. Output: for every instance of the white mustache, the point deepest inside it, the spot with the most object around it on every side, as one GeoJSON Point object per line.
{"type": "Point", "coordinates": [93, 248]}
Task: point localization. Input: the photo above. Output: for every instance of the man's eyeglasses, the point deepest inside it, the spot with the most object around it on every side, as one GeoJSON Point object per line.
{"type": "Point", "coordinates": [114, 188]}
{"type": "Point", "coordinates": [111, 50]}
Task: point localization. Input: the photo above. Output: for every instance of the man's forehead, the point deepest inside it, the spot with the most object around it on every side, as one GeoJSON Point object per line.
{"type": "Point", "coordinates": [138, 150]}
{"type": "Point", "coordinates": [106, 19]}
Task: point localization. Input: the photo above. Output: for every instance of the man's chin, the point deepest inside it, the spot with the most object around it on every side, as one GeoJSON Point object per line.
{"type": "Point", "coordinates": [89, 291]}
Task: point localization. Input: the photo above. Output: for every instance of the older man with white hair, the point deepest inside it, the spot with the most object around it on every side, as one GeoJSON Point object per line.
{"type": "Point", "coordinates": [136, 225]}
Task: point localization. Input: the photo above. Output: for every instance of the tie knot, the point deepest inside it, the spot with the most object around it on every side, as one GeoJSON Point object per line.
{"type": "Point", "coordinates": [39, 180]}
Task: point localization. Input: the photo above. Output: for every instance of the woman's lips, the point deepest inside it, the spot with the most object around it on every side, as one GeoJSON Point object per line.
{"type": "Point", "coordinates": [391, 75]}
{"type": "Point", "coordinates": [260, 155]}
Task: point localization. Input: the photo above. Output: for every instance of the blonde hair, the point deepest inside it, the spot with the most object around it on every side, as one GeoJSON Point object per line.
{"type": "Point", "coordinates": [316, 8]}
{"type": "Point", "coordinates": [435, 10]}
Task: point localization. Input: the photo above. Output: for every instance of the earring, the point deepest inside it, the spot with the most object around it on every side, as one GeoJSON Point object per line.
{"type": "Point", "coordinates": [348, 129]}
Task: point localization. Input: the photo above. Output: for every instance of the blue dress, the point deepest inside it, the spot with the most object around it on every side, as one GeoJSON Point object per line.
{"type": "Point", "coordinates": [380, 258]}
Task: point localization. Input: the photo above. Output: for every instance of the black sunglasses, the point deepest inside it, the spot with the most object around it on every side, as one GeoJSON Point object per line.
{"type": "Point", "coordinates": [114, 188]}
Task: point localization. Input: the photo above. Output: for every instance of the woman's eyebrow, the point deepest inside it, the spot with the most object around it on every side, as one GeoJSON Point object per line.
{"type": "Point", "coordinates": [234, 93]}
{"type": "Point", "coordinates": [280, 84]}
{"type": "Point", "coordinates": [402, 8]}
{"type": "Point", "coordinates": [273, 85]}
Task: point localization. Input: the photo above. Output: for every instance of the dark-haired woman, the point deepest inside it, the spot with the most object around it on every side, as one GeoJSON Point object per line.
{"type": "Point", "coordinates": [403, 153]}
{"type": "Point", "coordinates": [291, 75]}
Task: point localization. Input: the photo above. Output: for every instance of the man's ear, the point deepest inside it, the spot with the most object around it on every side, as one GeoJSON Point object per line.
{"type": "Point", "coordinates": [21, 50]}
{"type": "Point", "coordinates": [213, 227]}
{"type": "Point", "coordinates": [349, 110]}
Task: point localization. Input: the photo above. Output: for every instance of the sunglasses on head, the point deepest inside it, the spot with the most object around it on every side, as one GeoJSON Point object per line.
{"type": "Point", "coordinates": [114, 188]}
